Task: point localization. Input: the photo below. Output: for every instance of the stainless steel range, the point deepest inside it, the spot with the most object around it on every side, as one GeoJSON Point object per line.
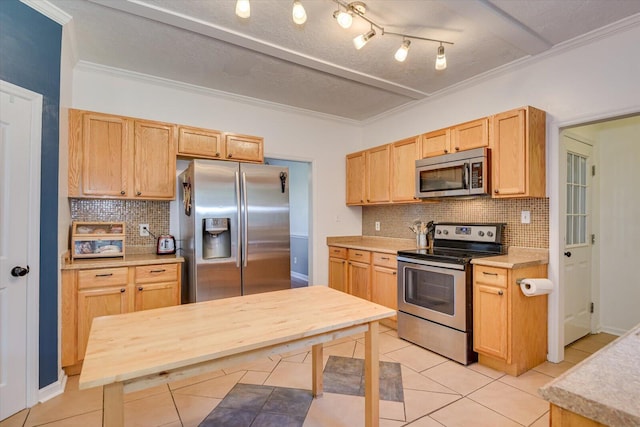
{"type": "Point", "coordinates": [435, 295]}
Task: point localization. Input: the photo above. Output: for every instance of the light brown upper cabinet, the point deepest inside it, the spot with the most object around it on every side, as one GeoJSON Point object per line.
{"type": "Point", "coordinates": [213, 144]}
{"type": "Point", "coordinates": [377, 174]}
{"type": "Point", "coordinates": [243, 148]}
{"type": "Point", "coordinates": [356, 164]}
{"type": "Point", "coordinates": [119, 157]}
{"type": "Point", "coordinates": [470, 135]}
{"type": "Point", "coordinates": [403, 164]}
{"type": "Point", "coordinates": [368, 176]}
{"type": "Point", "coordinates": [436, 143]}
{"type": "Point", "coordinates": [518, 153]}
{"type": "Point", "coordinates": [198, 142]}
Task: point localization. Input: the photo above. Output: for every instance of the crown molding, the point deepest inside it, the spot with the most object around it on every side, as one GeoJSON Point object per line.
{"type": "Point", "coordinates": [49, 10]}
{"type": "Point", "coordinates": [201, 90]}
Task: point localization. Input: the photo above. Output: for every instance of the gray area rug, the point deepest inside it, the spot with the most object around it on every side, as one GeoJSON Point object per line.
{"type": "Point", "coordinates": [248, 405]}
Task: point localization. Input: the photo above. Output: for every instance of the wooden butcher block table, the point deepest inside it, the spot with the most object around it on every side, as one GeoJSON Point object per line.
{"type": "Point", "coordinates": [133, 351]}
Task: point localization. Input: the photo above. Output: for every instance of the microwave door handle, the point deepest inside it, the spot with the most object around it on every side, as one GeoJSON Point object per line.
{"type": "Point", "coordinates": [465, 176]}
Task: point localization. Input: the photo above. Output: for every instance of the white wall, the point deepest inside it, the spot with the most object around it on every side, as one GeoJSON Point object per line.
{"type": "Point", "coordinates": [288, 135]}
{"type": "Point", "coordinates": [619, 157]}
{"type": "Point", "coordinates": [574, 84]}
{"type": "Point", "coordinates": [299, 195]}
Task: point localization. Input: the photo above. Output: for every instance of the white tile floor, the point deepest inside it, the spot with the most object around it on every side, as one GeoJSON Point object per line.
{"type": "Point", "coordinates": [437, 392]}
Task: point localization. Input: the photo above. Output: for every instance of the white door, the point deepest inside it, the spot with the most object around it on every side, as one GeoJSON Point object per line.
{"type": "Point", "coordinates": [577, 248]}
{"type": "Point", "coordinates": [20, 134]}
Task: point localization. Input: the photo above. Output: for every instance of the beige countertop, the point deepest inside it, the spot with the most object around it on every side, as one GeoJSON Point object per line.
{"type": "Point", "coordinates": [125, 261]}
{"type": "Point", "coordinates": [516, 258]}
{"type": "Point", "coordinates": [604, 387]}
{"type": "Point", "coordinates": [387, 245]}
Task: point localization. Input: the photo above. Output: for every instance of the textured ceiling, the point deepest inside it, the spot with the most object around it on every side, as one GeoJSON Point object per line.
{"type": "Point", "coordinates": [315, 66]}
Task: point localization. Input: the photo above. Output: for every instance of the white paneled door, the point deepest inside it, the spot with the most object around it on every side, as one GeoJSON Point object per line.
{"type": "Point", "coordinates": [20, 136]}
{"type": "Point", "coordinates": [577, 242]}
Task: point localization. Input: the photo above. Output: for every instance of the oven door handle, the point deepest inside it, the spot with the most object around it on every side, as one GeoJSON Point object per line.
{"type": "Point", "coordinates": [431, 263]}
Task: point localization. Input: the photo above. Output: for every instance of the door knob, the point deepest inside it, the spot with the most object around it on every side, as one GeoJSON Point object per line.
{"type": "Point", "coordinates": [567, 254]}
{"type": "Point", "coordinates": [18, 271]}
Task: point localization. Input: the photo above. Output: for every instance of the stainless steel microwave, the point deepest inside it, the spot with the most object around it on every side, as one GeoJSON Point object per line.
{"type": "Point", "coordinates": [465, 173]}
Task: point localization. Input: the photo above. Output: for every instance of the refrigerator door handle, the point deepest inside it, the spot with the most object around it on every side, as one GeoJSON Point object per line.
{"type": "Point", "coordinates": [238, 228]}
{"type": "Point", "coordinates": [245, 242]}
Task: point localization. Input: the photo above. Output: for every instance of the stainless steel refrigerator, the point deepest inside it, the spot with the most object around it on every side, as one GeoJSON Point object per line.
{"type": "Point", "coordinates": [234, 229]}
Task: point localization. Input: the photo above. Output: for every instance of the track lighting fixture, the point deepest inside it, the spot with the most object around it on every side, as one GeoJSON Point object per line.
{"type": "Point", "coordinates": [441, 60]}
{"type": "Point", "coordinates": [298, 13]}
{"type": "Point", "coordinates": [362, 39]}
{"type": "Point", "coordinates": [403, 50]}
{"type": "Point", "coordinates": [243, 8]}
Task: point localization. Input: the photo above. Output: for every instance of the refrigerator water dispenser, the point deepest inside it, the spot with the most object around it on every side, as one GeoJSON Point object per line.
{"type": "Point", "coordinates": [216, 238]}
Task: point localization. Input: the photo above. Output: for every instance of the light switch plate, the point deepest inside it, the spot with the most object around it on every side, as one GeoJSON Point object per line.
{"type": "Point", "coordinates": [525, 217]}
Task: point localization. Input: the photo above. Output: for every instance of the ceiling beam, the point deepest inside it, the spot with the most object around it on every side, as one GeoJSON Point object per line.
{"type": "Point", "coordinates": [208, 29]}
{"type": "Point", "coordinates": [501, 24]}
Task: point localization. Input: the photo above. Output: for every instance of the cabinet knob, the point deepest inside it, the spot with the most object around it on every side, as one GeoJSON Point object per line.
{"type": "Point", "coordinates": [122, 193]}
{"type": "Point", "coordinates": [457, 148]}
{"type": "Point", "coordinates": [496, 191]}
{"type": "Point", "coordinates": [122, 290]}
{"type": "Point", "coordinates": [395, 272]}
{"type": "Point", "coordinates": [218, 154]}
{"type": "Point", "coordinates": [140, 288]}
{"type": "Point", "coordinates": [138, 193]}
{"type": "Point", "coordinates": [500, 292]}
{"type": "Point", "coordinates": [446, 151]}
{"type": "Point", "coordinates": [229, 155]}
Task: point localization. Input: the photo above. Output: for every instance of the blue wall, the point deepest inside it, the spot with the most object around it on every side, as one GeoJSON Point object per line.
{"type": "Point", "coordinates": [30, 46]}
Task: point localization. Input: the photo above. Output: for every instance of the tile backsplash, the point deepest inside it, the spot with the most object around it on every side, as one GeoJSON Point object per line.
{"type": "Point", "coordinates": [396, 219]}
{"type": "Point", "coordinates": [132, 212]}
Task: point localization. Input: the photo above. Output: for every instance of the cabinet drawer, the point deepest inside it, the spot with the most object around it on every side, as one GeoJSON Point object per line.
{"type": "Point", "coordinates": [157, 273]}
{"type": "Point", "coordinates": [385, 260]}
{"type": "Point", "coordinates": [359, 256]}
{"type": "Point", "coordinates": [102, 277]}
{"type": "Point", "coordinates": [490, 276]}
{"type": "Point", "coordinates": [336, 252]}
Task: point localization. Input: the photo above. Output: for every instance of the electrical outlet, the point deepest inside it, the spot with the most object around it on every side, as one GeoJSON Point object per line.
{"type": "Point", "coordinates": [144, 230]}
{"type": "Point", "coordinates": [295, 259]}
{"type": "Point", "coordinates": [525, 217]}
{"type": "Point", "coordinates": [377, 225]}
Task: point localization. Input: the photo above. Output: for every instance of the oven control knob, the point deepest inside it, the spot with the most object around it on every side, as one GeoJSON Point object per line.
{"type": "Point", "coordinates": [446, 232]}
{"type": "Point", "coordinates": [490, 233]}
{"type": "Point", "coordinates": [480, 233]}
{"type": "Point", "coordinates": [439, 232]}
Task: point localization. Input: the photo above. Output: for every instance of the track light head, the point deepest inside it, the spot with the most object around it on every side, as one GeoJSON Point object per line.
{"type": "Point", "coordinates": [243, 8]}
{"type": "Point", "coordinates": [344, 18]}
{"type": "Point", "coordinates": [298, 13]}
{"type": "Point", "coordinates": [441, 60]}
{"type": "Point", "coordinates": [403, 50]}
{"type": "Point", "coordinates": [362, 39]}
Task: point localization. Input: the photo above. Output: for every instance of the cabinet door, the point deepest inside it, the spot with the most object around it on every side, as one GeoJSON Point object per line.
{"type": "Point", "coordinates": [105, 155]}
{"type": "Point", "coordinates": [154, 160]}
{"type": "Point", "coordinates": [470, 135]}
{"type": "Point", "coordinates": [490, 320]}
{"type": "Point", "coordinates": [403, 165]}
{"type": "Point", "coordinates": [156, 295]}
{"type": "Point", "coordinates": [338, 274]}
{"type": "Point", "coordinates": [384, 286]}
{"type": "Point", "coordinates": [435, 143]}
{"type": "Point", "coordinates": [195, 142]}
{"type": "Point", "coordinates": [244, 147]}
{"type": "Point", "coordinates": [509, 154]}
{"type": "Point", "coordinates": [95, 303]}
{"type": "Point", "coordinates": [359, 274]}
{"type": "Point", "coordinates": [355, 178]}
{"type": "Point", "coordinates": [377, 174]}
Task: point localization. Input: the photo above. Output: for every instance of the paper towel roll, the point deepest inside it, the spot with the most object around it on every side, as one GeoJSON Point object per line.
{"type": "Point", "coordinates": [534, 287]}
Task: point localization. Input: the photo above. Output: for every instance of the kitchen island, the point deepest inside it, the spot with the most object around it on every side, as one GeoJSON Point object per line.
{"type": "Point", "coordinates": [138, 350]}
{"type": "Point", "coordinates": [603, 389]}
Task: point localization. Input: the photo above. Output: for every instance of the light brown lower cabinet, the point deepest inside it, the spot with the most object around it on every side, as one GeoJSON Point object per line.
{"type": "Point", "coordinates": [94, 292]}
{"type": "Point", "coordinates": [560, 417]}
{"type": "Point", "coordinates": [365, 274]}
{"type": "Point", "coordinates": [509, 328]}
